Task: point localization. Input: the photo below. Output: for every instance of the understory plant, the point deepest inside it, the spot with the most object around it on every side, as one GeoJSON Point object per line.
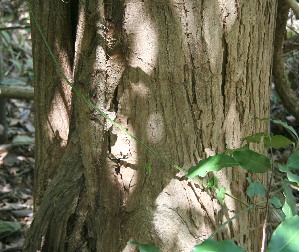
{"type": "Point", "coordinates": [277, 197]}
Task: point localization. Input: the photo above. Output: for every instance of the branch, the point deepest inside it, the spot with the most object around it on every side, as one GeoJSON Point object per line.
{"type": "Point", "coordinates": [16, 92]}
{"type": "Point", "coordinates": [294, 6]}
{"type": "Point", "coordinates": [290, 46]}
{"type": "Point", "coordinates": [14, 28]}
{"type": "Point", "coordinates": [285, 92]}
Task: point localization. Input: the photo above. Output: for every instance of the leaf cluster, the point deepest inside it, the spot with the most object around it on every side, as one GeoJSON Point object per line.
{"type": "Point", "coordinates": [284, 238]}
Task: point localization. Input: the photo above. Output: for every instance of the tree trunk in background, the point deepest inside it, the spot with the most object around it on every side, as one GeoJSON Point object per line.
{"type": "Point", "coordinates": [186, 78]}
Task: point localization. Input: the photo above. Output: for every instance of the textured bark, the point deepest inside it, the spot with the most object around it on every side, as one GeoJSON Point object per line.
{"type": "Point", "coordinates": [16, 92]}
{"type": "Point", "coordinates": [186, 78]}
{"type": "Point", "coordinates": [52, 97]}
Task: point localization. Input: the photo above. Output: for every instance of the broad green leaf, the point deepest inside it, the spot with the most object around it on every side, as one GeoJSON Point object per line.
{"type": "Point", "coordinates": [217, 246]}
{"type": "Point", "coordinates": [214, 163]}
{"type": "Point", "coordinates": [275, 202]}
{"type": "Point", "coordinates": [252, 161]}
{"type": "Point", "coordinates": [255, 188]}
{"type": "Point", "coordinates": [148, 248]}
{"type": "Point", "coordinates": [6, 36]}
{"type": "Point", "coordinates": [276, 142]}
{"type": "Point", "coordinates": [283, 168]}
{"type": "Point", "coordinates": [290, 129]}
{"type": "Point", "coordinates": [293, 178]}
{"type": "Point", "coordinates": [285, 237]}
{"type": "Point", "coordinates": [280, 141]}
{"type": "Point", "coordinates": [220, 194]}
{"type": "Point", "coordinates": [255, 138]}
{"type": "Point", "coordinates": [289, 208]}
{"type": "Point", "coordinates": [8, 227]}
{"type": "Point", "coordinates": [286, 126]}
{"type": "Point", "coordinates": [293, 161]}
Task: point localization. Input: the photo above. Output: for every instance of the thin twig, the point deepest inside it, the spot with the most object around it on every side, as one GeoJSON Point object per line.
{"type": "Point", "coordinates": [249, 208]}
{"type": "Point", "coordinates": [14, 28]}
{"type": "Point", "coordinates": [292, 29]}
{"type": "Point", "coordinates": [237, 237]}
{"type": "Point", "coordinates": [264, 241]}
{"type": "Point", "coordinates": [11, 249]}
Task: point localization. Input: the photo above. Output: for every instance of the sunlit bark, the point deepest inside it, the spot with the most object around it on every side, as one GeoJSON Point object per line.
{"type": "Point", "coordinates": [186, 78]}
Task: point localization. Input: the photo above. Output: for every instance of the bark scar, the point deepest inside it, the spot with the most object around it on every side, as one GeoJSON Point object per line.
{"type": "Point", "coordinates": [224, 67]}
{"type": "Point", "coordinates": [115, 100]}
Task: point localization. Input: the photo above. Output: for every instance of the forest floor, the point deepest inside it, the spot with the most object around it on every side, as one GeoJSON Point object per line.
{"type": "Point", "coordinates": [16, 176]}
{"type": "Point", "coordinates": [17, 149]}
{"type": "Point", "coordinates": [17, 137]}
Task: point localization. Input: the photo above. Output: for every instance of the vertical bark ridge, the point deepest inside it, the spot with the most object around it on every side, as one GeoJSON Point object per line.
{"type": "Point", "coordinates": [157, 68]}
{"type": "Point", "coordinates": [52, 96]}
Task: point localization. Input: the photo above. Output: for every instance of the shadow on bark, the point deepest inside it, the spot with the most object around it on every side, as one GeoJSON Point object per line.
{"type": "Point", "coordinates": [85, 206]}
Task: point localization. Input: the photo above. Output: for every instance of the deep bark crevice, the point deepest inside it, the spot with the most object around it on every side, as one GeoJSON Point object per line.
{"type": "Point", "coordinates": [115, 100]}
{"type": "Point", "coordinates": [59, 203]}
{"type": "Point", "coordinates": [166, 89]}
{"type": "Point", "coordinates": [224, 69]}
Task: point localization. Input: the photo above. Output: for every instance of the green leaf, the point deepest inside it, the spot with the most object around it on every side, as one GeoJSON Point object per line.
{"type": "Point", "coordinates": [252, 161]}
{"type": "Point", "coordinates": [293, 178]}
{"type": "Point", "coordinates": [148, 248]}
{"type": "Point", "coordinates": [290, 129]}
{"type": "Point", "coordinates": [255, 138]}
{"type": "Point", "coordinates": [289, 208]}
{"type": "Point", "coordinates": [275, 202]}
{"type": "Point", "coordinates": [134, 242]}
{"type": "Point", "coordinates": [283, 168]}
{"type": "Point", "coordinates": [276, 142]}
{"type": "Point", "coordinates": [279, 141]}
{"type": "Point", "coordinates": [293, 161]}
{"type": "Point", "coordinates": [230, 152]}
{"type": "Point", "coordinates": [286, 126]}
{"type": "Point", "coordinates": [249, 180]}
{"type": "Point", "coordinates": [217, 246]}
{"type": "Point", "coordinates": [285, 237]}
{"type": "Point", "coordinates": [214, 163]}
{"type": "Point", "coordinates": [220, 194]}
{"type": "Point", "coordinates": [8, 227]}
{"type": "Point", "coordinates": [17, 64]}
{"type": "Point", "coordinates": [255, 188]}
{"type": "Point", "coordinates": [148, 168]}
{"type": "Point", "coordinates": [6, 36]}
{"type": "Point", "coordinates": [212, 182]}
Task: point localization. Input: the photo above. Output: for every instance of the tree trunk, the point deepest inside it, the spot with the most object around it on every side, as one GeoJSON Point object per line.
{"type": "Point", "coordinates": [186, 78]}
{"type": "Point", "coordinates": [52, 96]}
